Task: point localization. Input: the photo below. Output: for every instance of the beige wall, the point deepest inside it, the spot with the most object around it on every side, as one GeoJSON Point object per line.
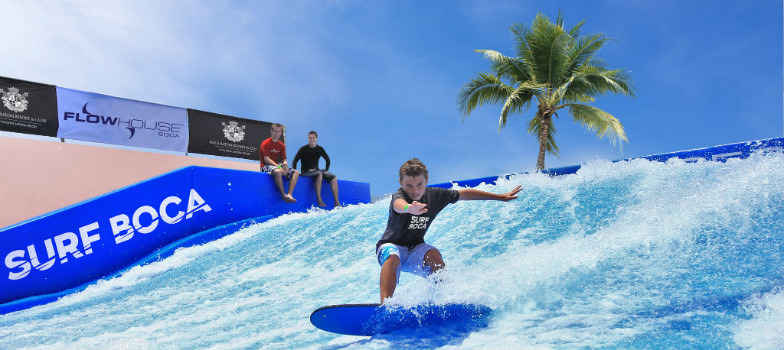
{"type": "Point", "coordinates": [39, 176]}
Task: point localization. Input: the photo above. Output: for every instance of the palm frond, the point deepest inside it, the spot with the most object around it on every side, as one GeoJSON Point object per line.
{"type": "Point", "coordinates": [518, 101]}
{"type": "Point", "coordinates": [583, 50]}
{"type": "Point", "coordinates": [574, 32]}
{"type": "Point", "coordinates": [590, 81]}
{"type": "Point", "coordinates": [519, 32]}
{"type": "Point", "coordinates": [558, 20]}
{"type": "Point", "coordinates": [506, 67]}
{"type": "Point", "coordinates": [485, 88]}
{"type": "Point", "coordinates": [575, 89]}
{"type": "Point", "coordinates": [547, 45]}
{"type": "Point", "coordinates": [603, 81]}
{"type": "Point", "coordinates": [601, 123]}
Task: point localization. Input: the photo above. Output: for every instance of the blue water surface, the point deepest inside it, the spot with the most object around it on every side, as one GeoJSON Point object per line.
{"type": "Point", "coordinates": [629, 255]}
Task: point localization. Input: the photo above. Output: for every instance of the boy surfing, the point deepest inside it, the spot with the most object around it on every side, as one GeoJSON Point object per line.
{"type": "Point", "coordinates": [411, 212]}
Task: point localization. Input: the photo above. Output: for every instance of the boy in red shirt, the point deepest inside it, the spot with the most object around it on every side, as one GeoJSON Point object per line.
{"type": "Point", "coordinates": [273, 161]}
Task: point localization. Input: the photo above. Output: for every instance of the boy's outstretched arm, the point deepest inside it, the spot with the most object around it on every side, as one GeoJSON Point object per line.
{"type": "Point", "coordinates": [401, 206]}
{"type": "Point", "coordinates": [468, 194]}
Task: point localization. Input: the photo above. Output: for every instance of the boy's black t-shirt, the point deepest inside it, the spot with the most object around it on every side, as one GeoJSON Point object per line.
{"type": "Point", "coordinates": [409, 230]}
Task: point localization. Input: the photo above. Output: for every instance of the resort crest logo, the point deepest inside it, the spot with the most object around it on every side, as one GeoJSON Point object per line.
{"type": "Point", "coordinates": [14, 100]}
{"type": "Point", "coordinates": [233, 131]}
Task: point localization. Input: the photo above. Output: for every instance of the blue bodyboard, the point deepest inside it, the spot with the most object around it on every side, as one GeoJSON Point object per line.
{"type": "Point", "coordinates": [371, 319]}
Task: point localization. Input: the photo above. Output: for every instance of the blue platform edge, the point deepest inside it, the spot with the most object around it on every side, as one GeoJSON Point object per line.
{"type": "Point", "coordinates": [66, 250]}
{"type": "Point", "coordinates": [716, 153]}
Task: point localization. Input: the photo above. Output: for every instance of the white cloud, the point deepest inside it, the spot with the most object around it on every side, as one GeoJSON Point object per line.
{"type": "Point", "coordinates": [176, 53]}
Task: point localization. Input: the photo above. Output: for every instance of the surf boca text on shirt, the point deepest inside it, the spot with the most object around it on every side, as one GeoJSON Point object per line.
{"type": "Point", "coordinates": [418, 223]}
{"type": "Point", "coordinates": [409, 230]}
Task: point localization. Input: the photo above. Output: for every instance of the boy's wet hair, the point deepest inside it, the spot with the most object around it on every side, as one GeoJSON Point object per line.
{"type": "Point", "coordinates": [413, 167]}
{"type": "Point", "coordinates": [312, 132]}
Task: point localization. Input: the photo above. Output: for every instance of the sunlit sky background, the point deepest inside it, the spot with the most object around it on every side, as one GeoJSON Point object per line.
{"type": "Point", "coordinates": [379, 79]}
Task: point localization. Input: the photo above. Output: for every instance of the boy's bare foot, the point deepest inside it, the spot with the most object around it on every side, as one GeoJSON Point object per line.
{"type": "Point", "coordinates": [322, 204]}
{"type": "Point", "coordinates": [289, 199]}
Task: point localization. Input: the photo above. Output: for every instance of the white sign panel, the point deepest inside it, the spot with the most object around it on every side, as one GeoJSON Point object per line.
{"type": "Point", "coordinates": [99, 118]}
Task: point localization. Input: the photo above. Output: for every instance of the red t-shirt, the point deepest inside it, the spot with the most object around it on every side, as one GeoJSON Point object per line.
{"type": "Point", "coordinates": [276, 150]}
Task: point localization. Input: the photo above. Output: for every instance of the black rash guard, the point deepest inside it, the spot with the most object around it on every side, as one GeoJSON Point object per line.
{"type": "Point", "coordinates": [310, 157]}
{"type": "Point", "coordinates": [409, 230]}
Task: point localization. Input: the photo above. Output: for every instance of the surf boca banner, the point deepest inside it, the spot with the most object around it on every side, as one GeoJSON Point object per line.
{"type": "Point", "coordinates": [49, 255]}
{"type": "Point", "coordinates": [226, 136]}
{"type": "Point", "coordinates": [89, 240]}
{"type": "Point", "coordinates": [27, 107]}
{"type": "Point", "coordinates": [99, 118]}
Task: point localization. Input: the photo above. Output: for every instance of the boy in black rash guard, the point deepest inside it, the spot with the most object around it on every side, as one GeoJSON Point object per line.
{"type": "Point", "coordinates": [310, 155]}
{"type": "Point", "coordinates": [412, 210]}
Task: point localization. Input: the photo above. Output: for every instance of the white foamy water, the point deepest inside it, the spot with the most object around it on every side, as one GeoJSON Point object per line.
{"type": "Point", "coordinates": [765, 330]}
{"type": "Point", "coordinates": [630, 255]}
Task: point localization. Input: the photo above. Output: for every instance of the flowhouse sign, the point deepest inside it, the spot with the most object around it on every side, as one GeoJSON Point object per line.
{"type": "Point", "coordinates": [118, 230]}
{"type": "Point", "coordinates": [99, 118]}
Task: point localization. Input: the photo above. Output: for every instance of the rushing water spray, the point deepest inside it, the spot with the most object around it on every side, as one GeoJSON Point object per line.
{"type": "Point", "coordinates": [629, 255]}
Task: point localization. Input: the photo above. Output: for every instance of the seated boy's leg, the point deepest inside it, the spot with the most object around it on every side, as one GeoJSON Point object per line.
{"type": "Point", "coordinates": [293, 175]}
{"type": "Point", "coordinates": [317, 184]}
{"type": "Point", "coordinates": [334, 185]}
{"type": "Point", "coordinates": [277, 176]}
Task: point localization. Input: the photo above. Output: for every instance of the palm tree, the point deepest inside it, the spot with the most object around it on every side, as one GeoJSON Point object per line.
{"type": "Point", "coordinates": [559, 69]}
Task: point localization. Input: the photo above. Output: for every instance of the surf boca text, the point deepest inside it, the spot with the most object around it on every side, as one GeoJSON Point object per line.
{"type": "Point", "coordinates": [69, 246]}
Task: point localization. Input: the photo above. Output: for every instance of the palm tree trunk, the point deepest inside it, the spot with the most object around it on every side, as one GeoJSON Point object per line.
{"type": "Point", "coordinates": [542, 141]}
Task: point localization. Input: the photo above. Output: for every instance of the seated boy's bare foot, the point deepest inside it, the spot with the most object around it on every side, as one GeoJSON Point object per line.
{"type": "Point", "coordinates": [289, 199]}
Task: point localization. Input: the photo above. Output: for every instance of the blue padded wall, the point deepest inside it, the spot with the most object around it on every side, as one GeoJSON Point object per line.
{"type": "Point", "coordinates": [716, 153]}
{"type": "Point", "coordinates": [98, 237]}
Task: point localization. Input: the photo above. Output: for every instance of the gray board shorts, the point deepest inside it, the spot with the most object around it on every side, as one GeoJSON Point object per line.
{"type": "Point", "coordinates": [327, 176]}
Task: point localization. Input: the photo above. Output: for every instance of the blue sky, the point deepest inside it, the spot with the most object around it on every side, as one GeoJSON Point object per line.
{"type": "Point", "coordinates": [379, 79]}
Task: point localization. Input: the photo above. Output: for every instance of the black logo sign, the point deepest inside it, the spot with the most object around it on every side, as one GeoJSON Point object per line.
{"type": "Point", "coordinates": [223, 135]}
{"type": "Point", "coordinates": [27, 107]}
